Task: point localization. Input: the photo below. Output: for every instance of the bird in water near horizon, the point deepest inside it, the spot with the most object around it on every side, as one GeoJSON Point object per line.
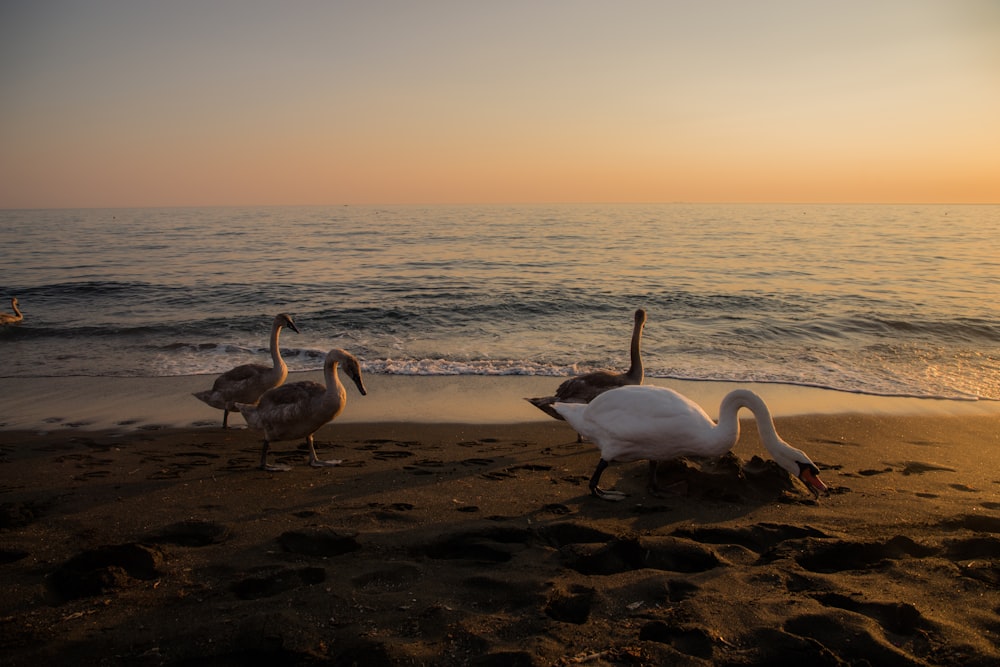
{"type": "Point", "coordinates": [246, 383]}
{"type": "Point", "coordinates": [585, 388]}
{"type": "Point", "coordinates": [299, 409]}
{"type": "Point", "coordinates": [17, 316]}
{"type": "Point", "coordinates": [658, 424]}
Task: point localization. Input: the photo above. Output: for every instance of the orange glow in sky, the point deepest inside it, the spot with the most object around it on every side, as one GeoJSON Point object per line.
{"type": "Point", "coordinates": [115, 103]}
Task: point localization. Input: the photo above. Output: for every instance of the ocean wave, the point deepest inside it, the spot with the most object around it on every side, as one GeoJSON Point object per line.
{"type": "Point", "coordinates": [515, 291]}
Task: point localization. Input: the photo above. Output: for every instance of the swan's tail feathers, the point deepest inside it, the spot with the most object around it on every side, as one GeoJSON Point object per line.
{"type": "Point", "coordinates": [210, 397]}
{"type": "Point", "coordinates": [573, 413]}
{"type": "Point", "coordinates": [251, 415]}
{"type": "Point", "coordinates": [545, 405]}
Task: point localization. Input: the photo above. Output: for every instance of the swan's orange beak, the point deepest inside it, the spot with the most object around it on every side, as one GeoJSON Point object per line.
{"type": "Point", "coordinates": [811, 478]}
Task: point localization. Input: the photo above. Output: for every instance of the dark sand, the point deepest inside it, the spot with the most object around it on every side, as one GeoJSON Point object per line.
{"type": "Point", "coordinates": [453, 544]}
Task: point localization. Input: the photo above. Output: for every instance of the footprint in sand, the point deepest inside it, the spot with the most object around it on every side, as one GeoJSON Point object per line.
{"type": "Point", "coordinates": [421, 467]}
{"type": "Point", "coordinates": [691, 640]}
{"type": "Point", "coordinates": [106, 569]}
{"type": "Point", "coordinates": [670, 554]}
{"type": "Point", "coordinates": [898, 617]}
{"type": "Point", "coordinates": [840, 556]}
{"type": "Point", "coordinates": [21, 514]}
{"type": "Point", "coordinates": [268, 581]}
{"type": "Point", "coordinates": [858, 638]}
{"type": "Point", "coordinates": [388, 454]}
{"type": "Point", "coordinates": [93, 474]}
{"type": "Point", "coordinates": [318, 541]}
{"type": "Point", "coordinates": [389, 578]}
{"type": "Point", "coordinates": [760, 538]}
{"type": "Point", "coordinates": [964, 487]}
{"type": "Point", "coordinates": [489, 545]}
{"type": "Point", "coordinates": [240, 464]}
{"type": "Point", "coordinates": [919, 467]}
{"type": "Point", "coordinates": [191, 533]}
{"type": "Point", "coordinates": [477, 462]}
{"type": "Point", "coordinates": [572, 606]}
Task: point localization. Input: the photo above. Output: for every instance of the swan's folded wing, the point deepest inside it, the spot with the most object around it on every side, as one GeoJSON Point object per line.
{"type": "Point", "coordinates": [240, 374]}
{"type": "Point", "coordinates": [585, 388]}
{"type": "Point", "coordinates": [637, 421]}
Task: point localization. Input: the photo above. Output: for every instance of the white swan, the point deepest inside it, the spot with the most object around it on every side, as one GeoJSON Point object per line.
{"type": "Point", "coordinates": [299, 409]}
{"type": "Point", "coordinates": [658, 424]}
{"type": "Point", "coordinates": [7, 318]}
{"type": "Point", "coordinates": [246, 383]}
{"type": "Point", "coordinates": [585, 388]}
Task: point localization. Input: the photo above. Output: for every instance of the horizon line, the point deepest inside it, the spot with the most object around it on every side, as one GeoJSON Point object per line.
{"type": "Point", "coordinates": [524, 203]}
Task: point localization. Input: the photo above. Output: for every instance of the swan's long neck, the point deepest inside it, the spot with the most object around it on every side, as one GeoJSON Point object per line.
{"type": "Point", "coordinates": [17, 311]}
{"type": "Point", "coordinates": [276, 359]}
{"type": "Point", "coordinates": [729, 420]}
{"type": "Point", "coordinates": [635, 371]}
{"type": "Point", "coordinates": [334, 387]}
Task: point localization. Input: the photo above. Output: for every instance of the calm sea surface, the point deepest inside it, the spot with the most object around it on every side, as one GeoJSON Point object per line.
{"type": "Point", "coordinates": [893, 300]}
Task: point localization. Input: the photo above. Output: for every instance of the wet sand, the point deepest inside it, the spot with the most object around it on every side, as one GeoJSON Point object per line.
{"type": "Point", "coordinates": [453, 543]}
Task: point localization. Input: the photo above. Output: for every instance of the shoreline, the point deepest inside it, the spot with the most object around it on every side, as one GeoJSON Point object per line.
{"type": "Point", "coordinates": [131, 403]}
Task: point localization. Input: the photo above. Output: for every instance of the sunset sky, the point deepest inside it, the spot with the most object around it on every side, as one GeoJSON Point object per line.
{"type": "Point", "coordinates": [233, 102]}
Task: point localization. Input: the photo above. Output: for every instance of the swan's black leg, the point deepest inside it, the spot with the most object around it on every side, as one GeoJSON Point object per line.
{"type": "Point", "coordinates": [596, 490]}
{"type": "Point", "coordinates": [654, 485]}
{"type": "Point", "coordinates": [263, 460]}
{"type": "Point", "coordinates": [596, 477]}
{"type": "Point", "coordinates": [263, 455]}
{"type": "Point", "coordinates": [225, 418]}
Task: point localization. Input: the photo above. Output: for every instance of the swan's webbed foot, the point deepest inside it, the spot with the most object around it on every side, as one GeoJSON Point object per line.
{"type": "Point", "coordinates": [613, 496]}
{"type": "Point", "coordinates": [314, 460]}
{"type": "Point", "coordinates": [316, 463]}
{"type": "Point", "coordinates": [264, 465]}
{"type": "Point", "coordinates": [597, 491]}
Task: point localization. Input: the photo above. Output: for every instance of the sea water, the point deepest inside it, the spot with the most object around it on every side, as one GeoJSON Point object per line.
{"type": "Point", "coordinates": [897, 300]}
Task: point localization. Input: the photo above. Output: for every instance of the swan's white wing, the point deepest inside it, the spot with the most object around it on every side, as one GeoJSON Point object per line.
{"type": "Point", "coordinates": [645, 422]}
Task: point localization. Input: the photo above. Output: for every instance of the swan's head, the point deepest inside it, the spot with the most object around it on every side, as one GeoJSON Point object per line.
{"type": "Point", "coordinates": [797, 463]}
{"type": "Point", "coordinates": [809, 474]}
{"type": "Point", "coordinates": [640, 317]}
{"type": "Point", "coordinates": [350, 366]}
{"type": "Point", "coordinates": [285, 320]}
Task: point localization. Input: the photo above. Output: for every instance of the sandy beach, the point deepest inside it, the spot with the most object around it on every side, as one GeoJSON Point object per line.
{"type": "Point", "coordinates": [135, 531]}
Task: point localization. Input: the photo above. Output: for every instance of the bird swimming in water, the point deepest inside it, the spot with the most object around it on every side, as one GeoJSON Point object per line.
{"type": "Point", "coordinates": [658, 424]}
{"type": "Point", "coordinates": [299, 409]}
{"type": "Point", "coordinates": [246, 383]}
{"type": "Point", "coordinates": [585, 388]}
{"type": "Point", "coordinates": [17, 316]}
